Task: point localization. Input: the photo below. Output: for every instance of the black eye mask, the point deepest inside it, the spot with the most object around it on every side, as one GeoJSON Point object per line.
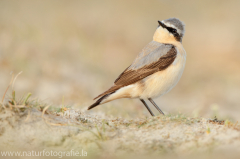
{"type": "Point", "coordinates": [171, 30]}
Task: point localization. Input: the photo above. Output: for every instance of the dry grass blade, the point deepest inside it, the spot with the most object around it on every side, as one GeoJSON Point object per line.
{"type": "Point", "coordinates": [7, 88]}
{"type": "Point", "coordinates": [54, 124]}
{"type": "Point", "coordinates": [19, 106]}
{"type": "Point", "coordinates": [15, 79]}
{"type": "Point", "coordinates": [28, 116]}
{"type": "Point", "coordinates": [44, 110]}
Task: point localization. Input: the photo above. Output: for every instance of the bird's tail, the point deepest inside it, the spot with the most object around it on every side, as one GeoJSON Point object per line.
{"type": "Point", "coordinates": [99, 101]}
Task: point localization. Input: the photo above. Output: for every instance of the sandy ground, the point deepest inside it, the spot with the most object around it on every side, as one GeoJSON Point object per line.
{"type": "Point", "coordinates": [170, 136]}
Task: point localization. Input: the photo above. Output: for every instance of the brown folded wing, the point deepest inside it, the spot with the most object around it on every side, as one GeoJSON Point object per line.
{"type": "Point", "coordinates": [130, 76]}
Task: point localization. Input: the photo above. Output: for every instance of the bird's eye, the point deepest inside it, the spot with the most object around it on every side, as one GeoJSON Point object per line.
{"type": "Point", "coordinates": [174, 30]}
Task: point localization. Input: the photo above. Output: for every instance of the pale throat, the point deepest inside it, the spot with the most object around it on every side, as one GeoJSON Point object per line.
{"type": "Point", "coordinates": [163, 36]}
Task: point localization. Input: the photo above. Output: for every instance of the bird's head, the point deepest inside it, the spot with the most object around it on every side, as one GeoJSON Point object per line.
{"type": "Point", "coordinates": [169, 31]}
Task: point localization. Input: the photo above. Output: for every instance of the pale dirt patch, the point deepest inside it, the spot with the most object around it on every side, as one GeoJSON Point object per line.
{"type": "Point", "coordinates": [167, 136]}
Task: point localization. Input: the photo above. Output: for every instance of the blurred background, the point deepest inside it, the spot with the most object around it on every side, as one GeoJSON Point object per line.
{"type": "Point", "coordinates": [74, 50]}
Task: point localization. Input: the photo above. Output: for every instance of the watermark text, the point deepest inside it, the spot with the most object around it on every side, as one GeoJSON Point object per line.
{"type": "Point", "coordinates": [45, 152]}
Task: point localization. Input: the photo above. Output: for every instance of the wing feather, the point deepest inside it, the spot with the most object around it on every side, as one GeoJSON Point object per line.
{"type": "Point", "coordinates": [149, 61]}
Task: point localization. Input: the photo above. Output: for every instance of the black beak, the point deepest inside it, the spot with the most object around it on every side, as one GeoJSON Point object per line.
{"type": "Point", "coordinates": [161, 24]}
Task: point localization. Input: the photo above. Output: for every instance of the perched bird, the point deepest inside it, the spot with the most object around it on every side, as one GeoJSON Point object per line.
{"type": "Point", "coordinates": [155, 71]}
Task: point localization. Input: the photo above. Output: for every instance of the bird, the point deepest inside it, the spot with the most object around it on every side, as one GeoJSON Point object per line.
{"type": "Point", "coordinates": [156, 69]}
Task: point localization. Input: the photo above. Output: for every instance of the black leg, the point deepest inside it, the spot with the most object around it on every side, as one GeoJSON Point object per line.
{"type": "Point", "coordinates": [145, 104]}
{"type": "Point", "coordinates": [155, 105]}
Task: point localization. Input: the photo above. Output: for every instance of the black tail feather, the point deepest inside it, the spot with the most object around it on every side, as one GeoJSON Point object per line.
{"type": "Point", "coordinates": [97, 102]}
